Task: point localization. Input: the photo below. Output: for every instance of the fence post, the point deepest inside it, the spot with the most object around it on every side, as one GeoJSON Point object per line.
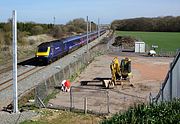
{"type": "Point", "coordinates": [36, 99]}
{"type": "Point", "coordinates": [162, 93]}
{"type": "Point", "coordinates": [46, 87]}
{"type": "Point", "coordinates": [71, 105]}
{"type": "Point", "coordinates": [170, 81]}
{"type": "Point", "coordinates": [150, 98]}
{"type": "Point", "coordinates": [107, 92]}
{"type": "Point", "coordinates": [85, 105]}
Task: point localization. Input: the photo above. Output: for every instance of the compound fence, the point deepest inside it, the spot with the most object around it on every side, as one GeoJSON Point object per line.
{"type": "Point", "coordinates": [95, 100]}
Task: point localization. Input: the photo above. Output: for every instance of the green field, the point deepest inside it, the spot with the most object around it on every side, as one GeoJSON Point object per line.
{"type": "Point", "coordinates": [169, 41]}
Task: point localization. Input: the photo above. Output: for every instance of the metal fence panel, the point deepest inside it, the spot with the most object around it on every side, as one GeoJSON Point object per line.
{"type": "Point", "coordinates": [171, 87]}
{"type": "Point", "coordinates": [176, 80]}
{"type": "Point", "coordinates": [166, 92]}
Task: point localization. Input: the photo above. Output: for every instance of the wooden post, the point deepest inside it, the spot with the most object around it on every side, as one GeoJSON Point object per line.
{"type": "Point", "coordinates": [85, 105]}
{"type": "Point", "coordinates": [108, 102]}
{"type": "Point", "coordinates": [71, 105]}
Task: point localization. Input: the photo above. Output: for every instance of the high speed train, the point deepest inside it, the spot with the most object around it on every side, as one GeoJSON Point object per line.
{"type": "Point", "coordinates": [50, 51]}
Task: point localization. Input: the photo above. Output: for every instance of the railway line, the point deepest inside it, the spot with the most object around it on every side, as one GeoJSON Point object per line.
{"type": "Point", "coordinates": [8, 83]}
{"type": "Point", "coordinates": [7, 67]}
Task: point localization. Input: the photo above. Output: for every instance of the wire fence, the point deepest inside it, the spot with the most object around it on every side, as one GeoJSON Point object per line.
{"type": "Point", "coordinates": [89, 100]}
{"type": "Point", "coordinates": [97, 100]}
{"type": "Point", "coordinates": [161, 52]}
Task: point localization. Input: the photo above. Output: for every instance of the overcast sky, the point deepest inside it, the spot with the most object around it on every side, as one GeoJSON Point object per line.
{"type": "Point", "coordinates": [43, 11]}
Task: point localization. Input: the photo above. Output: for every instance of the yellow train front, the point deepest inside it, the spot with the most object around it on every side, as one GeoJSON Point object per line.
{"type": "Point", "coordinates": [43, 52]}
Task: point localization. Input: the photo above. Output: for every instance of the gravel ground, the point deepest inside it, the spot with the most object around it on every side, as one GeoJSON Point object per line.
{"type": "Point", "coordinates": [7, 118]}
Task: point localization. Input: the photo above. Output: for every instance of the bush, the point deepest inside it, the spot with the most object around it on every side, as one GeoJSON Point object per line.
{"type": "Point", "coordinates": [163, 113]}
{"type": "Point", "coordinates": [37, 30]}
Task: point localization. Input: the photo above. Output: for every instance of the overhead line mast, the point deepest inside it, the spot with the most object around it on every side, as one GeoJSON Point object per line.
{"type": "Point", "coordinates": [15, 93]}
{"type": "Point", "coordinates": [87, 35]}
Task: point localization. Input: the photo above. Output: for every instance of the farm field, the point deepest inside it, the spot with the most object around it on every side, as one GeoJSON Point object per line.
{"type": "Point", "coordinates": [169, 41]}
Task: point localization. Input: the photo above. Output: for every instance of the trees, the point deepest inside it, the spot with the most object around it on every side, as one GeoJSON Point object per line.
{"type": "Point", "coordinates": [31, 28]}
{"type": "Point", "coordinates": [72, 27]}
{"type": "Point", "coordinates": [57, 31]}
{"type": "Point", "coordinates": [77, 25]}
{"type": "Point", "coordinates": [38, 29]}
{"type": "Point", "coordinates": [161, 24]}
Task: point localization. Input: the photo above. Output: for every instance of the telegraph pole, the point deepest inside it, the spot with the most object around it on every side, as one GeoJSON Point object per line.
{"type": "Point", "coordinates": [15, 93]}
{"type": "Point", "coordinates": [90, 26]}
{"type": "Point", "coordinates": [54, 20]}
{"type": "Point", "coordinates": [87, 35]}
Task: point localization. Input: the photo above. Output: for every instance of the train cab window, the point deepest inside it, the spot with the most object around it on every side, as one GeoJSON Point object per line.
{"type": "Point", "coordinates": [42, 49]}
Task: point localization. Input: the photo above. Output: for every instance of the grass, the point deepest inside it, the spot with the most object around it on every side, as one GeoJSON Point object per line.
{"type": "Point", "coordinates": [50, 96]}
{"type": "Point", "coordinates": [169, 41]}
{"type": "Point", "coordinates": [48, 116]}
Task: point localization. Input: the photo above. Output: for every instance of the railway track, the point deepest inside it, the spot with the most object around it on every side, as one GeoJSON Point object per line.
{"type": "Point", "coordinates": [8, 83]}
{"type": "Point", "coordinates": [7, 68]}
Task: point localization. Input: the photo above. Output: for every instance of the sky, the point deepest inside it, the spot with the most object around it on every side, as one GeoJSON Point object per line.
{"type": "Point", "coordinates": [44, 11]}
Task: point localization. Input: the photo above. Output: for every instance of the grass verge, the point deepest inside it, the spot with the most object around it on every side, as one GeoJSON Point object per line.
{"type": "Point", "coordinates": [47, 116]}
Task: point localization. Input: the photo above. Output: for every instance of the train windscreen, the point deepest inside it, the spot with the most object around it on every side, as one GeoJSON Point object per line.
{"type": "Point", "coordinates": [42, 49]}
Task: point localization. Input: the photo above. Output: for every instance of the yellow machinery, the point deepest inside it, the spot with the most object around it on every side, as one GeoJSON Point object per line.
{"type": "Point", "coordinates": [120, 72]}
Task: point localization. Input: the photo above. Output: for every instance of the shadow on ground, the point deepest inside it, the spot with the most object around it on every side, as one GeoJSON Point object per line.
{"type": "Point", "coordinates": [32, 62]}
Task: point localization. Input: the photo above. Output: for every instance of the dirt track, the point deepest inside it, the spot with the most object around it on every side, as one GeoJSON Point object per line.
{"type": "Point", "coordinates": [148, 74]}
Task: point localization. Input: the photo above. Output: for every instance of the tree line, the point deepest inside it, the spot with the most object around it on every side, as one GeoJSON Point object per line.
{"type": "Point", "coordinates": [158, 24]}
{"type": "Point", "coordinates": [25, 29]}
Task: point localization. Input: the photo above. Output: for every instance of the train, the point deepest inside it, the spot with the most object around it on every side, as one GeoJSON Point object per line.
{"type": "Point", "coordinates": [50, 51]}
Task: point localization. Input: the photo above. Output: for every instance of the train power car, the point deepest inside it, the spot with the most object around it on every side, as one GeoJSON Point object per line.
{"type": "Point", "coordinates": [49, 51]}
{"type": "Point", "coordinates": [53, 50]}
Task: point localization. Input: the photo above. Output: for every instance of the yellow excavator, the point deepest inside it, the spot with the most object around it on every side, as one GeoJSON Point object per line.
{"type": "Point", "coordinates": [120, 72]}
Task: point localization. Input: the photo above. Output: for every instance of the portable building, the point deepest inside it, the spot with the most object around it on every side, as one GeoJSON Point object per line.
{"type": "Point", "coordinates": [139, 47]}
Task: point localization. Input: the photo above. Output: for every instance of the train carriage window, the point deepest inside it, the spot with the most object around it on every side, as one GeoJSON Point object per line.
{"type": "Point", "coordinates": [76, 41]}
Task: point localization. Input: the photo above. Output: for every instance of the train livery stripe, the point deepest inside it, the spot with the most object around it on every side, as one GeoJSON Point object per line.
{"type": "Point", "coordinates": [43, 53]}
